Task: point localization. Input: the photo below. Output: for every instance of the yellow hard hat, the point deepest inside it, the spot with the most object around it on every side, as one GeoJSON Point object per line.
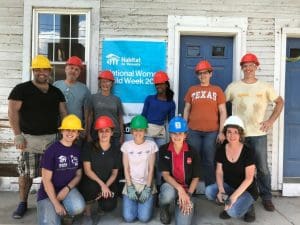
{"type": "Point", "coordinates": [40, 62]}
{"type": "Point", "coordinates": [71, 122]}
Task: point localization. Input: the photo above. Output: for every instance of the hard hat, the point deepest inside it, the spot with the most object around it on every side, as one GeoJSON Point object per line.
{"type": "Point", "coordinates": [234, 120]}
{"type": "Point", "coordinates": [160, 77]}
{"type": "Point", "coordinates": [74, 60]}
{"type": "Point", "coordinates": [71, 122]}
{"type": "Point", "coordinates": [106, 74]}
{"type": "Point", "coordinates": [40, 62]}
{"type": "Point", "coordinates": [203, 65]}
{"type": "Point", "coordinates": [249, 57]}
{"type": "Point", "coordinates": [104, 122]}
{"type": "Point", "coordinates": [139, 122]}
{"type": "Point", "coordinates": [177, 125]}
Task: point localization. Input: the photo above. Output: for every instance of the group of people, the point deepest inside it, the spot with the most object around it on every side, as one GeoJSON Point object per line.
{"type": "Point", "coordinates": [165, 158]}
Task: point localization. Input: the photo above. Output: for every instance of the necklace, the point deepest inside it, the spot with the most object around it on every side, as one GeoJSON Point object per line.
{"type": "Point", "coordinates": [233, 152]}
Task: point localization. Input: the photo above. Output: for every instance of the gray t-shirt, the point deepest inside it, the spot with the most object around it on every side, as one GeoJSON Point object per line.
{"type": "Point", "coordinates": [107, 106]}
{"type": "Point", "coordinates": [77, 96]}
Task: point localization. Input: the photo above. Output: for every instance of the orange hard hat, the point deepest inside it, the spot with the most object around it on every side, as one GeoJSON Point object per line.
{"type": "Point", "coordinates": [74, 60]}
{"type": "Point", "coordinates": [249, 57]}
{"type": "Point", "coordinates": [106, 74]}
{"type": "Point", "coordinates": [104, 122]}
{"type": "Point", "coordinates": [203, 65]}
{"type": "Point", "coordinates": [160, 77]}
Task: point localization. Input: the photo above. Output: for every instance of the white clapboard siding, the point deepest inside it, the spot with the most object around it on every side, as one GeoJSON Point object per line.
{"type": "Point", "coordinates": [11, 48]}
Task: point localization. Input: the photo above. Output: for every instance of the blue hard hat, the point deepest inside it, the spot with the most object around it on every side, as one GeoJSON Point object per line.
{"type": "Point", "coordinates": [177, 125]}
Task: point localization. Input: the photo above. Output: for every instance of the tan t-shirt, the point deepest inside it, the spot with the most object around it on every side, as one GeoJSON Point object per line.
{"type": "Point", "coordinates": [249, 102]}
{"type": "Point", "coordinates": [205, 101]}
{"type": "Point", "coordinates": [138, 157]}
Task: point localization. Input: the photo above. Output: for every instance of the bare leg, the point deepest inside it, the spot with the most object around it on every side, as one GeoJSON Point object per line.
{"type": "Point", "coordinates": [25, 183]}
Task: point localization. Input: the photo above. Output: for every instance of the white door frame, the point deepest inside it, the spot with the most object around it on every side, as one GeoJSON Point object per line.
{"type": "Point", "coordinates": [235, 27]}
{"type": "Point", "coordinates": [289, 187]}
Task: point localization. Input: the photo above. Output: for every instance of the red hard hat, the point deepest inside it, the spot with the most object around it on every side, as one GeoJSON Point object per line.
{"type": "Point", "coordinates": [104, 122]}
{"type": "Point", "coordinates": [203, 65]}
{"type": "Point", "coordinates": [249, 57]}
{"type": "Point", "coordinates": [106, 74]}
{"type": "Point", "coordinates": [160, 77]}
{"type": "Point", "coordinates": [74, 60]}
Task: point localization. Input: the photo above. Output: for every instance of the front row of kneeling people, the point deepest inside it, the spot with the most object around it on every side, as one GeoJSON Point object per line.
{"type": "Point", "coordinates": [68, 189]}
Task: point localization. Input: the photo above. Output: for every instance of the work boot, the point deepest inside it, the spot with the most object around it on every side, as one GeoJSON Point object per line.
{"type": "Point", "coordinates": [224, 215]}
{"type": "Point", "coordinates": [67, 220]}
{"type": "Point", "coordinates": [268, 205]}
{"type": "Point", "coordinates": [20, 211]}
{"type": "Point", "coordinates": [250, 215]}
{"type": "Point", "coordinates": [165, 217]}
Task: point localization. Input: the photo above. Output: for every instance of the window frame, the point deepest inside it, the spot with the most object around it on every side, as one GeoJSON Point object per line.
{"type": "Point", "coordinates": [92, 47]}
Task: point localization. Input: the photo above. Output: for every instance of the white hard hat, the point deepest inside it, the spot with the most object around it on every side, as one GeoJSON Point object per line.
{"type": "Point", "coordinates": [234, 120]}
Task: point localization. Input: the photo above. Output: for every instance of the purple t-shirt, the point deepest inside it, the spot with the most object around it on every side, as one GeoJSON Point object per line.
{"type": "Point", "coordinates": [63, 162]}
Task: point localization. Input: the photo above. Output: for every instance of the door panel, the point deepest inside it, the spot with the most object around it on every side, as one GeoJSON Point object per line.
{"type": "Point", "coordinates": [292, 111]}
{"type": "Point", "coordinates": [217, 50]}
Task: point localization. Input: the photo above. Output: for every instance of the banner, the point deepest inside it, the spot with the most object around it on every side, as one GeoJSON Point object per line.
{"type": "Point", "coordinates": [133, 64]}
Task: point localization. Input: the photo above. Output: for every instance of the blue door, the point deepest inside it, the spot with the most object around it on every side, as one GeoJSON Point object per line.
{"type": "Point", "coordinates": [217, 50]}
{"type": "Point", "coordinates": [292, 111]}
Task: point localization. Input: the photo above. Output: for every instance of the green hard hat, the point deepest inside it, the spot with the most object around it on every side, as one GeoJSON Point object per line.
{"type": "Point", "coordinates": [139, 122]}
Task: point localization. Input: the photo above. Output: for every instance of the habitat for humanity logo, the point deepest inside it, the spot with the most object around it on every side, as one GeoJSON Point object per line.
{"type": "Point", "coordinates": [116, 60]}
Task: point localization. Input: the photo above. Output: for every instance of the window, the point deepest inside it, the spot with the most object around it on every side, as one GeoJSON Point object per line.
{"type": "Point", "coordinates": [193, 51]}
{"type": "Point", "coordinates": [218, 51]}
{"type": "Point", "coordinates": [59, 34]}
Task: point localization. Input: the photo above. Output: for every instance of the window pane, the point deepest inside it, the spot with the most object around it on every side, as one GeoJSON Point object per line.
{"type": "Point", "coordinates": [62, 25]}
{"type": "Point", "coordinates": [45, 47]}
{"type": "Point", "coordinates": [218, 51]}
{"type": "Point", "coordinates": [78, 48]}
{"type": "Point", "coordinates": [78, 26]}
{"type": "Point", "coordinates": [62, 50]}
{"type": "Point", "coordinates": [193, 51]}
{"type": "Point", "coordinates": [46, 26]}
{"type": "Point", "coordinates": [294, 52]}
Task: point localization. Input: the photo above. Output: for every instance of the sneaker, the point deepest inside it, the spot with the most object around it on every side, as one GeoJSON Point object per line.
{"type": "Point", "coordinates": [268, 205]}
{"type": "Point", "coordinates": [223, 215]}
{"type": "Point", "coordinates": [250, 215]}
{"type": "Point", "coordinates": [165, 217]}
{"type": "Point", "coordinates": [20, 211]}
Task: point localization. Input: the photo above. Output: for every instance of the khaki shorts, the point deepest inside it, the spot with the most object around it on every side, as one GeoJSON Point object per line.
{"type": "Point", "coordinates": [29, 164]}
{"type": "Point", "coordinates": [29, 159]}
{"type": "Point", "coordinates": [38, 143]}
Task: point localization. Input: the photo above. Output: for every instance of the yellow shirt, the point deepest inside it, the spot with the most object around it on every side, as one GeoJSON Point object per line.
{"type": "Point", "coordinates": [249, 102]}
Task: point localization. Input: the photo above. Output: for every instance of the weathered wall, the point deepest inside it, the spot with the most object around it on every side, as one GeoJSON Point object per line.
{"type": "Point", "coordinates": [11, 46]}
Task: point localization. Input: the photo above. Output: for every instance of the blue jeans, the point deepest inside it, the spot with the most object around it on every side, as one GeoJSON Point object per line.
{"type": "Point", "coordinates": [133, 210]}
{"type": "Point", "coordinates": [205, 144]}
{"type": "Point", "coordinates": [259, 145]}
{"type": "Point", "coordinates": [168, 195]}
{"type": "Point", "coordinates": [73, 203]}
{"type": "Point", "coordinates": [239, 208]}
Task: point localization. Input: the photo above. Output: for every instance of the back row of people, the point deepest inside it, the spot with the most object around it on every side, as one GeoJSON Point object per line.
{"type": "Point", "coordinates": [33, 132]}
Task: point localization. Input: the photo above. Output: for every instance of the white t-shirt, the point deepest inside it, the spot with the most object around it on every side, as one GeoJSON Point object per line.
{"type": "Point", "coordinates": [138, 157]}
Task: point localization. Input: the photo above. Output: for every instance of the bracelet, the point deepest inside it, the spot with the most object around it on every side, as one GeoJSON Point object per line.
{"type": "Point", "coordinates": [69, 187]}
